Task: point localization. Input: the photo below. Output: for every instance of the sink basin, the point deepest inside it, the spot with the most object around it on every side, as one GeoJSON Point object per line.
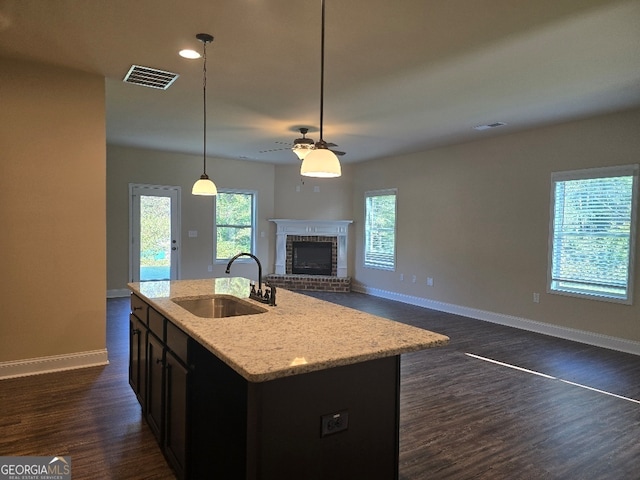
{"type": "Point", "coordinates": [218, 306]}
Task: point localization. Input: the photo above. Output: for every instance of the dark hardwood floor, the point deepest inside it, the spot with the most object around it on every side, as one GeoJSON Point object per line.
{"type": "Point", "coordinates": [461, 417]}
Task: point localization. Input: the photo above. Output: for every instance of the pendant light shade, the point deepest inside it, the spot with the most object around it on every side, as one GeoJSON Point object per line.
{"type": "Point", "coordinates": [204, 186]}
{"type": "Point", "coordinates": [321, 162]}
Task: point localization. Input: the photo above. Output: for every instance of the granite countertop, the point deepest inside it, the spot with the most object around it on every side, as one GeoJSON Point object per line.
{"type": "Point", "coordinates": [301, 334]}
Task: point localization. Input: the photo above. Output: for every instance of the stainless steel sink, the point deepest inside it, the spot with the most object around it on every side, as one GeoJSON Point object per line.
{"type": "Point", "coordinates": [218, 306]}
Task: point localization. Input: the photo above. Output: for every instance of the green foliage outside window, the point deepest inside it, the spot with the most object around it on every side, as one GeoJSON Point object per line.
{"type": "Point", "coordinates": [155, 231]}
{"type": "Point", "coordinates": [234, 224]}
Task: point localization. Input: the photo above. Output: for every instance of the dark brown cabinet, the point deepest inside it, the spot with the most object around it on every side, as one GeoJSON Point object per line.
{"type": "Point", "coordinates": [137, 357]}
{"type": "Point", "coordinates": [160, 377]}
{"type": "Point", "coordinates": [176, 421]}
{"type": "Point", "coordinates": [155, 385]}
{"type": "Point", "coordinates": [138, 348]}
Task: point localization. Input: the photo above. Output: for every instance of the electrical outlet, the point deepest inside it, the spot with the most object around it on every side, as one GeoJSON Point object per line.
{"type": "Point", "coordinates": [536, 298]}
{"type": "Point", "coordinates": [402, 277]}
{"type": "Point", "coordinates": [413, 279]}
{"type": "Point", "coordinates": [334, 423]}
{"type": "Point", "coordinates": [210, 268]}
{"type": "Point", "coordinates": [430, 281]}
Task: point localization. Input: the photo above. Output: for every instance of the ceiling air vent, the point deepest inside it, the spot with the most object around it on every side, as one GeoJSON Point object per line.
{"type": "Point", "coordinates": [150, 77]}
{"type": "Point", "coordinates": [490, 125]}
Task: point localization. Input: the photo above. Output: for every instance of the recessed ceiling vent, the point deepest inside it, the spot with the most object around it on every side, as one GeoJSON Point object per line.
{"type": "Point", "coordinates": [489, 125]}
{"type": "Point", "coordinates": [150, 77]}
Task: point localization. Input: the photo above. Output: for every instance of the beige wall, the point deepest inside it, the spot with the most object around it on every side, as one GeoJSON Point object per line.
{"type": "Point", "coordinates": [297, 198]}
{"type": "Point", "coordinates": [133, 165]}
{"type": "Point", "coordinates": [52, 210]}
{"type": "Point", "coordinates": [475, 218]}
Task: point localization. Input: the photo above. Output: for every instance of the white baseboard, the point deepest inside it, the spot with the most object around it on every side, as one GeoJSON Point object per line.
{"type": "Point", "coordinates": [582, 336]}
{"type": "Point", "coordinates": [55, 363]}
{"type": "Point", "coordinates": [118, 293]}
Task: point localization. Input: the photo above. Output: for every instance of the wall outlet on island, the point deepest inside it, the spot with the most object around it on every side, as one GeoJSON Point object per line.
{"type": "Point", "coordinates": [334, 423]}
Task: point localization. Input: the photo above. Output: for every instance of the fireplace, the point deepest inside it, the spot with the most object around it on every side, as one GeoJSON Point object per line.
{"type": "Point", "coordinates": [312, 258]}
{"type": "Point", "coordinates": [320, 255]}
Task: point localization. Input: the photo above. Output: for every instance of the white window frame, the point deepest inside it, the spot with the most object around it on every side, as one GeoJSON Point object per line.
{"type": "Point", "coordinates": [372, 263]}
{"type": "Point", "coordinates": [555, 285]}
{"type": "Point", "coordinates": [254, 216]}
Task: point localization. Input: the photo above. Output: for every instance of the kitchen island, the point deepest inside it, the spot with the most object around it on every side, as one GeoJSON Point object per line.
{"type": "Point", "coordinates": [303, 390]}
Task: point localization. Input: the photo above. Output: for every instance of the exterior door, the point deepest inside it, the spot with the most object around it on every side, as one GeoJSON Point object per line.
{"type": "Point", "coordinates": [155, 232]}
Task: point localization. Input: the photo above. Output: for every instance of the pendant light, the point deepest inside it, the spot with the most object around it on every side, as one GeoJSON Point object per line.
{"type": "Point", "coordinates": [204, 186]}
{"type": "Point", "coordinates": [321, 162]}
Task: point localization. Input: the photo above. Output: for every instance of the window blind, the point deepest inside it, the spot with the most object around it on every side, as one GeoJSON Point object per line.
{"type": "Point", "coordinates": [380, 229]}
{"type": "Point", "coordinates": [592, 233]}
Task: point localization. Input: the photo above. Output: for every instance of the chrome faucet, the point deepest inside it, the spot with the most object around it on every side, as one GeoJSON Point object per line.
{"type": "Point", "coordinates": [269, 296]}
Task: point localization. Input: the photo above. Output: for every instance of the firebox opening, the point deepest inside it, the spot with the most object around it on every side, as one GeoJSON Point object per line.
{"type": "Point", "coordinates": [311, 258]}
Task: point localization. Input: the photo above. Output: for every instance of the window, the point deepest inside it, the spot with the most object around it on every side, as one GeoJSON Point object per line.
{"type": "Point", "coordinates": [592, 234]}
{"type": "Point", "coordinates": [380, 229]}
{"type": "Point", "coordinates": [235, 223]}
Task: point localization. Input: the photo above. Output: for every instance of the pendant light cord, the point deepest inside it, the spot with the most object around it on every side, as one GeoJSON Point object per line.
{"type": "Point", "coordinates": [322, 75]}
{"type": "Point", "coordinates": [204, 96]}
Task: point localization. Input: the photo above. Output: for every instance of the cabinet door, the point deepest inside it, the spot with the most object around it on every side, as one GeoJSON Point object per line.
{"type": "Point", "coordinates": [175, 433]}
{"type": "Point", "coordinates": [137, 358]}
{"type": "Point", "coordinates": [155, 385]}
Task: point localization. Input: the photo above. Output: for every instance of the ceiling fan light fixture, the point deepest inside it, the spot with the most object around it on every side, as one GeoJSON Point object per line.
{"type": "Point", "coordinates": [302, 150]}
{"type": "Point", "coordinates": [321, 163]}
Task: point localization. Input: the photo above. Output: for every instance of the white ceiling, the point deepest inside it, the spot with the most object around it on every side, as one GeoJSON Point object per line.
{"type": "Point", "coordinates": [400, 75]}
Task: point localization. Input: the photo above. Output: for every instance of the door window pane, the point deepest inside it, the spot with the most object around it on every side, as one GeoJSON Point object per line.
{"type": "Point", "coordinates": [155, 238]}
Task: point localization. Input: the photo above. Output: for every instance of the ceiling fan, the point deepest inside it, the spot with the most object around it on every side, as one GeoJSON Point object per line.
{"type": "Point", "coordinates": [303, 145]}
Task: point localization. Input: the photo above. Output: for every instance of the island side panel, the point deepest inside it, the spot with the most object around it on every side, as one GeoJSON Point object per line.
{"type": "Point", "coordinates": [285, 439]}
{"type": "Point", "coordinates": [218, 412]}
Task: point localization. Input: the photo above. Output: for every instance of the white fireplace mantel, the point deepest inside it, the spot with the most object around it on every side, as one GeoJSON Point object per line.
{"type": "Point", "coordinates": [326, 228]}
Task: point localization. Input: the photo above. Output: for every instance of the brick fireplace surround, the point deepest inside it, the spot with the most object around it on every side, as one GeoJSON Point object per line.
{"type": "Point", "coordinates": [288, 231]}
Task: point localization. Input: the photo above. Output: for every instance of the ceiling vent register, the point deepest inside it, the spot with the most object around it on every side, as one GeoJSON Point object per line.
{"type": "Point", "coordinates": [150, 77]}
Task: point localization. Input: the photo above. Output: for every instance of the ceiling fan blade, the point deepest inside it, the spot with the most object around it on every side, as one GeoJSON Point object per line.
{"type": "Point", "coordinates": [338, 152]}
{"type": "Point", "coordinates": [274, 150]}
